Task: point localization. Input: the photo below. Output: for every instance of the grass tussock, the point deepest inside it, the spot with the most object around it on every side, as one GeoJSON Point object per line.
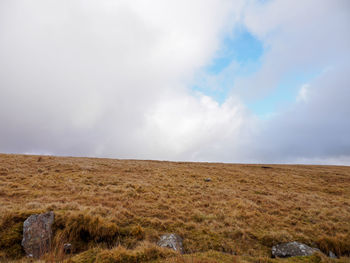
{"type": "Point", "coordinates": [145, 252]}
{"type": "Point", "coordinates": [339, 244]}
{"type": "Point", "coordinates": [243, 211]}
{"type": "Point", "coordinates": [270, 239]}
{"type": "Point", "coordinates": [218, 257]}
{"type": "Point", "coordinates": [83, 230]}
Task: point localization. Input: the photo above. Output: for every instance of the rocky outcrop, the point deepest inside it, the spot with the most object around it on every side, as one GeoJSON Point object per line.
{"type": "Point", "coordinates": [172, 241]}
{"type": "Point", "coordinates": [292, 249]}
{"type": "Point", "coordinates": [37, 234]}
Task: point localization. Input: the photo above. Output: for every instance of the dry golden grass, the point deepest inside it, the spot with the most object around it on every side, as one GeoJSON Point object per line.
{"type": "Point", "coordinates": [115, 206]}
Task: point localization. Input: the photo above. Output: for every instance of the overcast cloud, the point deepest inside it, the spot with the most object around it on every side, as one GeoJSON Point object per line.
{"type": "Point", "coordinates": [114, 79]}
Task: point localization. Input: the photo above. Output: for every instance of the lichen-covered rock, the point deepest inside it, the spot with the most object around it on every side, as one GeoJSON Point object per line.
{"type": "Point", "coordinates": [37, 234]}
{"type": "Point", "coordinates": [172, 241]}
{"type": "Point", "coordinates": [292, 249]}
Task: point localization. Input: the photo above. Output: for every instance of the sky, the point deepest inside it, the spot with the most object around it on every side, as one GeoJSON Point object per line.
{"type": "Point", "coordinates": [238, 81]}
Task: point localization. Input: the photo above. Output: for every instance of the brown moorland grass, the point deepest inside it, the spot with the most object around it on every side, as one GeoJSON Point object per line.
{"type": "Point", "coordinates": [115, 210]}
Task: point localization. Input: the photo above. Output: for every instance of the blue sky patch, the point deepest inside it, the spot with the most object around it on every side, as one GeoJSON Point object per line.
{"type": "Point", "coordinates": [283, 95]}
{"type": "Point", "coordinates": [246, 51]}
{"type": "Point", "coordinates": [241, 47]}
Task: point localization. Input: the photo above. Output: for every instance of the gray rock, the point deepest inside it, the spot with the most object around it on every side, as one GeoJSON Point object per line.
{"type": "Point", "coordinates": [292, 249]}
{"type": "Point", "coordinates": [207, 180]}
{"type": "Point", "coordinates": [67, 248]}
{"type": "Point", "coordinates": [332, 255]}
{"type": "Point", "coordinates": [37, 234]}
{"type": "Point", "coordinates": [172, 241]}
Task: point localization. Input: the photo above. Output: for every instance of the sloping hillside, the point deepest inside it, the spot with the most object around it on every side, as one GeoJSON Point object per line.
{"type": "Point", "coordinates": [236, 215]}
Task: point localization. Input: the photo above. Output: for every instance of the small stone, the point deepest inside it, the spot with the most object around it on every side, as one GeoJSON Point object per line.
{"type": "Point", "coordinates": [207, 180]}
{"type": "Point", "coordinates": [67, 248]}
{"type": "Point", "coordinates": [171, 241]}
{"type": "Point", "coordinates": [37, 234]}
{"type": "Point", "coordinates": [292, 249]}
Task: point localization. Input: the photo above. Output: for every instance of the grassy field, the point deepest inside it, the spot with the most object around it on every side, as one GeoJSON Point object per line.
{"type": "Point", "coordinates": [115, 210]}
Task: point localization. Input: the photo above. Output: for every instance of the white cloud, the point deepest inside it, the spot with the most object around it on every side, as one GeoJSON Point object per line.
{"type": "Point", "coordinates": [84, 77]}
{"type": "Point", "coordinates": [303, 93]}
{"type": "Point", "coordinates": [183, 125]}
